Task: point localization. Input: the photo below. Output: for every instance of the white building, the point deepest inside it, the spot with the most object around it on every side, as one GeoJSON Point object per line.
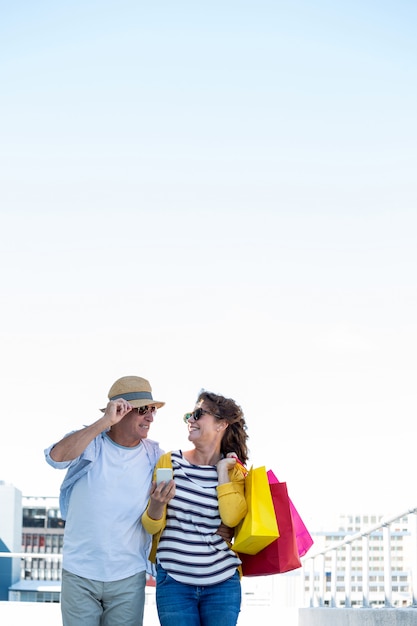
{"type": "Point", "coordinates": [367, 555]}
{"type": "Point", "coordinates": [10, 535]}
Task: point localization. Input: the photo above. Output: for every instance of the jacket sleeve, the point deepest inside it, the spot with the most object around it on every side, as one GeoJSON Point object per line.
{"type": "Point", "coordinates": [231, 497]}
{"type": "Point", "coordinates": [154, 526]}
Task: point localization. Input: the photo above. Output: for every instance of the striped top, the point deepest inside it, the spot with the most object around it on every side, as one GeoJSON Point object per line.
{"type": "Point", "coordinates": [189, 549]}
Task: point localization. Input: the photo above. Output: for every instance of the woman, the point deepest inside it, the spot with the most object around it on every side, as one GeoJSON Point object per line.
{"type": "Point", "coordinates": [198, 578]}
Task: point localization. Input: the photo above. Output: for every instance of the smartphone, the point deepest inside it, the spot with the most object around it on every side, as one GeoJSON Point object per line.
{"type": "Point", "coordinates": [163, 474]}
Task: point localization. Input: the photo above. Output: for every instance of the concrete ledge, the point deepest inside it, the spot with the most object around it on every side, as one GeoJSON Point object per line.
{"type": "Point", "coordinates": [357, 617]}
{"type": "Point", "coordinates": [34, 613]}
{"type": "Point", "coordinates": [49, 614]}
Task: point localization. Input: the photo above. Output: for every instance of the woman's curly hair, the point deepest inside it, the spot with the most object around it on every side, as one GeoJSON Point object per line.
{"type": "Point", "coordinates": [235, 436]}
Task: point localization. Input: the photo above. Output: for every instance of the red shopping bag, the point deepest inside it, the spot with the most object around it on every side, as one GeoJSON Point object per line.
{"type": "Point", "coordinates": [303, 537]}
{"type": "Point", "coordinates": [282, 554]}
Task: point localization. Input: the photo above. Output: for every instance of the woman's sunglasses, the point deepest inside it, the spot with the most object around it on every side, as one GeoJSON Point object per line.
{"type": "Point", "coordinates": [195, 415]}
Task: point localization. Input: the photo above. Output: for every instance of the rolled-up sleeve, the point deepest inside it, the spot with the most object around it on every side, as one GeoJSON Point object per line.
{"type": "Point", "coordinates": [153, 526]}
{"type": "Point", "coordinates": [55, 464]}
{"type": "Point", "coordinates": [232, 502]}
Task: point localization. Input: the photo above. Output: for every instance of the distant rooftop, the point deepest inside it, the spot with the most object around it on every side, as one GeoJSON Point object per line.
{"type": "Point", "coordinates": [36, 585]}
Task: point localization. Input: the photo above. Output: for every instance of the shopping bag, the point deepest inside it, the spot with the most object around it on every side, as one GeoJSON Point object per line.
{"type": "Point", "coordinates": [259, 526]}
{"type": "Point", "coordinates": [281, 555]}
{"type": "Point", "coordinates": [303, 537]}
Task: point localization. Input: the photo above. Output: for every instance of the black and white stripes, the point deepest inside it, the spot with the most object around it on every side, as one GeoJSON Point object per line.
{"type": "Point", "coordinates": [189, 549]}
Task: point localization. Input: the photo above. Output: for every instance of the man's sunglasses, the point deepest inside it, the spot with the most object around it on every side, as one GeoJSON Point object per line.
{"type": "Point", "coordinates": [195, 415]}
{"type": "Point", "coordinates": [146, 409]}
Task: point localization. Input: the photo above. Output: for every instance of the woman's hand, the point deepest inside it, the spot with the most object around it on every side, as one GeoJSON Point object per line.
{"type": "Point", "coordinates": [225, 532]}
{"type": "Point", "coordinates": [159, 497]}
{"type": "Point", "coordinates": [223, 467]}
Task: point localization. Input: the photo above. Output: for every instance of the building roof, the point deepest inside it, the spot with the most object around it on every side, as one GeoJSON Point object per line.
{"type": "Point", "coordinates": [36, 585]}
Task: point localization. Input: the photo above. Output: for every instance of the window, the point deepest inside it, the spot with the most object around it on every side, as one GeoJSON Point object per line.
{"type": "Point", "coordinates": [34, 518]}
{"type": "Point", "coordinates": [54, 519]}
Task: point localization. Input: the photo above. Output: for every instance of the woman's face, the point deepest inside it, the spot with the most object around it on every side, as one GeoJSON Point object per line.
{"type": "Point", "coordinates": [203, 425]}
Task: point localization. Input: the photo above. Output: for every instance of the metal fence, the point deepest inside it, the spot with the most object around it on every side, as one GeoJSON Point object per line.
{"type": "Point", "coordinates": [373, 568]}
{"type": "Point", "coordinates": [38, 566]}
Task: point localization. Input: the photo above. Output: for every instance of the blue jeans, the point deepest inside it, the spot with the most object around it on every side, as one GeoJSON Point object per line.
{"type": "Point", "coordinates": [193, 605]}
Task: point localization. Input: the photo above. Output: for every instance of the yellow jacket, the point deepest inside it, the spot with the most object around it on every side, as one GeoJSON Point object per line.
{"type": "Point", "coordinates": [231, 497]}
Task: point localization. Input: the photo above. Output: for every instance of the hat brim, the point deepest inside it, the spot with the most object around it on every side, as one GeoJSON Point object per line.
{"type": "Point", "coordinates": [136, 404]}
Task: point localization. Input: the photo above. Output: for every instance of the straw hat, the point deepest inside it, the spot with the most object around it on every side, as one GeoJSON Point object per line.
{"type": "Point", "coordinates": [137, 391]}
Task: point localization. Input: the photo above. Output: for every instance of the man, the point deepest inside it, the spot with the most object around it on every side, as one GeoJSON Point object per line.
{"type": "Point", "coordinates": [105, 491]}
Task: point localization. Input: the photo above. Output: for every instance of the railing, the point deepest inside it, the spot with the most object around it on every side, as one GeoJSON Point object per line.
{"type": "Point", "coordinates": [336, 564]}
{"type": "Point", "coordinates": [37, 565]}
{"type": "Point", "coordinates": [371, 568]}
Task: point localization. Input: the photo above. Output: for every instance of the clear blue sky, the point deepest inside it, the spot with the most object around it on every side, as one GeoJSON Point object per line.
{"type": "Point", "coordinates": [218, 195]}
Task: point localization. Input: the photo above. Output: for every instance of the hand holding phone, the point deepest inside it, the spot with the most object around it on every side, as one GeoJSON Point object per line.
{"type": "Point", "coordinates": [163, 474]}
